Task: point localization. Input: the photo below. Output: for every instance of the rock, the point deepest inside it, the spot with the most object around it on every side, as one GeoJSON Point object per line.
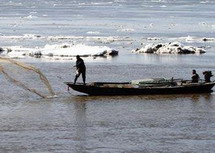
{"type": "Point", "coordinates": [208, 39]}
{"type": "Point", "coordinates": [108, 53]}
{"type": "Point", "coordinates": [37, 54]}
{"type": "Point", "coordinates": [112, 53]}
{"type": "Point", "coordinates": [1, 50]}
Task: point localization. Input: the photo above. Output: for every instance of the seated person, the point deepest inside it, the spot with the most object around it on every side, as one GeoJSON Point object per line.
{"type": "Point", "coordinates": [207, 75]}
{"type": "Point", "coordinates": [195, 77]}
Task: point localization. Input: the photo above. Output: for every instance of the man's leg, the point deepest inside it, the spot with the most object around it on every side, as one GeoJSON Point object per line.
{"type": "Point", "coordinates": [84, 76]}
{"type": "Point", "coordinates": [76, 77]}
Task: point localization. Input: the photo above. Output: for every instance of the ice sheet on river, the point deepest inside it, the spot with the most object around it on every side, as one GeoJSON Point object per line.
{"type": "Point", "coordinates": [169, 48]}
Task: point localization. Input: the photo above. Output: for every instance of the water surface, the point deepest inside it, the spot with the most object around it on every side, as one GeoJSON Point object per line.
{"type": "Point", "coordinates": [74, 122]}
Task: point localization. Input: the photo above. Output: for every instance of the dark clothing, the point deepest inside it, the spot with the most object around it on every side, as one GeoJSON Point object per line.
{"type": "Point", "coordinates": [80, 69]}
{"type": "Point", "coordinates": [195, 78]}
{"type": "Point", "coordinates": [207, 75]}
{"type": "Point", "coordinates": [80, 64]}
{"type": "Point", "coordinates": [207, 78]}
{"type": "Point", "coordinates": [83, 75]}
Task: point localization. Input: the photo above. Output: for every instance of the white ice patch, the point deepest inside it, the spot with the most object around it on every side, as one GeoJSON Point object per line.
{"type": "Point", "coordinates": [72, 50]}
{"type": "Point", "coordinates": [30, 17]}
{"type": "Point", "coordinates": [10, 3]}
{"type": "Point", "coordinates": [169, 48]}
{"type": "Point", "coordinates": [105, 40]}
{"type": "Point", "coordinates": [101, 3]}
{"type": "Point", "coordinates": [63, 50]}
{"type": "Point", "coordinates": [64, 37]}
{"type": "Point", "coordinates": [93, 32]}
{"type": "Point", "coordinates": [127, 30]}
{"type": "Point", "coordinates": [197, 39]}
{"type": "Point", "coordinates": [163, 6]}
{"type": "Point", "coordinates": [96, 39]}
{"type": "Point", "coordinates": [154, 38]}
{"type": "Point", "coordinates": [23, 37]}
{"type": "Point", "coordinates": [33, 12]}
{"type": "Point", "coordinates": [204, 2]}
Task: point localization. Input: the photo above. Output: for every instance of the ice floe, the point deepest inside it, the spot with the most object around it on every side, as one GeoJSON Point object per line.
{"type": "Point", "coordinates": [22, 37]}
{"type": "Point", "coordinates": [62, 50]}
{"type": "Point", "coordinates": [100, 39]}
{"type": "Point", "coordinates": [93, 32]}
{"type": "Point", "coordinates": [30, 17]}
{"type": "Point", "coordinates": [153, 38]}
{"type": "Point", "coordinates": [169, 48]}
{"type": "Point", "coordinates": [127, 30]}
{"type": "Point", "coordinates": [196, 39]}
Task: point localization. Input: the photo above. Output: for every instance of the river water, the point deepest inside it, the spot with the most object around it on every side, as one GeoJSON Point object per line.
{"type": "Point", "coordinates": [74, 122]}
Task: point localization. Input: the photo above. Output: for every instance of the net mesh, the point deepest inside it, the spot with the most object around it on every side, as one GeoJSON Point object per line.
{"type": "Point", "coordinates": [26, 76]}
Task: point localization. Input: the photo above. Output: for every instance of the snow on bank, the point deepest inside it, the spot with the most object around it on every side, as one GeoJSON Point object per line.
{"type": "Point", "coordinates": [63, 51]}
{"type": "Point", "coordinates": [169, 48]}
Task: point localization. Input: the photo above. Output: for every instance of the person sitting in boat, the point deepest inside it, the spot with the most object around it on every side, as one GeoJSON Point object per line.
{"type": "Point", "coordinates": [207, 75]}
{"type": "Point", "coordinates": [195, 77]}
{"type": "Point", "coordinates": [80, 69]}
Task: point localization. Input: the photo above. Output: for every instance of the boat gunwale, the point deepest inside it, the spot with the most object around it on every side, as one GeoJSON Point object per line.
{"type": "Point", "coordinates": [136, 86]}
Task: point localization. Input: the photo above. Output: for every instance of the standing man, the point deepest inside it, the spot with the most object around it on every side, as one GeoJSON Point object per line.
{"type": "Point", "coordinates": [80, 69]}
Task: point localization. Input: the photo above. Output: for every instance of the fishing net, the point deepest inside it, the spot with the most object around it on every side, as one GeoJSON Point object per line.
{"type": "Point", "coordinates": [26, 76]}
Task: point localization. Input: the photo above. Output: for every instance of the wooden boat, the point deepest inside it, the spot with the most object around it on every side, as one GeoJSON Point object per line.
{"type": "Point", "coordinates": [129, 88]}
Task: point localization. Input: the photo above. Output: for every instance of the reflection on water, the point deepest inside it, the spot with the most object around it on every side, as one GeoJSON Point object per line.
{"type": "Point", "coordinates": [81, 124]}
{"type": "Point", "coordinates": [145, 123]}
{"type": "Point", "coordinates": [174, 97]}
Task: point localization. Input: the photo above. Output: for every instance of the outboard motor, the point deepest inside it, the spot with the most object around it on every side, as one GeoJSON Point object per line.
{"type": "Point", "coordinates": [207, 75]}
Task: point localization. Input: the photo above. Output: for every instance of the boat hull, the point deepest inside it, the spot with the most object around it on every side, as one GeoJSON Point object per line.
{"type": "Point", "coordinates": [183, 89]}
